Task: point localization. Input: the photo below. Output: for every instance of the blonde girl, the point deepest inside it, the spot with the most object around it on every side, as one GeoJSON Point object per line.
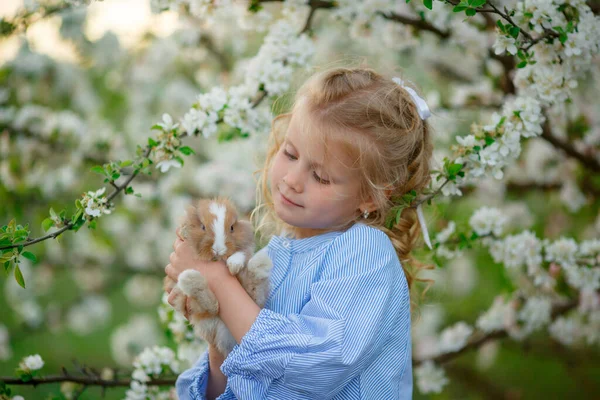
{"type": "Point", "coordinates": [337, 321]}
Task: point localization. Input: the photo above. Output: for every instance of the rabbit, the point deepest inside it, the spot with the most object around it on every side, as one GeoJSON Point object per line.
{"type": "Point", "coordinates": [213, 227]}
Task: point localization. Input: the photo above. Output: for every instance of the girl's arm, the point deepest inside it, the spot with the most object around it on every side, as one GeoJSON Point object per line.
{"type": "Point", "coordinates": [236, 308]}
{"type": "Point", "coordinates": [216, 380]}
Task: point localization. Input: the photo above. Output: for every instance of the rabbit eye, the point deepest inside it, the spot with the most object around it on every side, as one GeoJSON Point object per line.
{"type": "Point", "coordinates": [231, 228]}
{"type": "Point", "coordinates": [203, 227]}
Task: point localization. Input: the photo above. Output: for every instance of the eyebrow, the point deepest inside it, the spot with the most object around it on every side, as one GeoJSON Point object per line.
{"type": "Point", "coordinates": [311, 163]}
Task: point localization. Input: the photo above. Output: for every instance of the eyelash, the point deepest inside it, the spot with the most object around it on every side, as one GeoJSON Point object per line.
{"type": "Point", "coordinates": [323, 181]}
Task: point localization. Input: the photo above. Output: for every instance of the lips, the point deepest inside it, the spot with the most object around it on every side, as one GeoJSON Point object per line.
{"type": "Point", "coordinates": [289, 200]}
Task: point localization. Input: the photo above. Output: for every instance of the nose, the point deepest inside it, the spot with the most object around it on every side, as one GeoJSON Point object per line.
{"type": "Point", "coordinates": [293, 178]}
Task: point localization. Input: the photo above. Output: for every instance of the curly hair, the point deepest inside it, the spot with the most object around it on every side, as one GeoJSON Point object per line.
{"type": "Point", "coordinates": [375, 122]}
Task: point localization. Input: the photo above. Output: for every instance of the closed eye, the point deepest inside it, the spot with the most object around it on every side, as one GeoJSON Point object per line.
{"type": "Point", "coordinates": [317, 178]}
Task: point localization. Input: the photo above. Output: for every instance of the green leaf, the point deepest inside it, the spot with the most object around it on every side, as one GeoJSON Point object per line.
{"type": "Point", "coordinates": [477, 3]}
{"type": "Point", "coordinates": [128, 190]}
{"type": "Point", "coordinates": [459, 8]}
{"type": "Point", "coordinates": [126, 163]}
{"type": "Point", "coordinates": [19, 276]}
{"type": "Point", "coordinates": [489, 140]}
{"type": "Point", "coordinates": [92, 224]}
{"type": "Point", "coordinates": [157, 127]}
{"type": "Point", "coordinates": [151, 141]}
{"type": "Point", "coordinates": [471, 11]}
{"type": "Point", "coordinates": [428, 4]}
{"type": "Point", "coordinates": [29, 255]}
{"type": "Point", "coordinates": [98, 169]}
{"type": "Point", "coordinates": [454, 168]}
{"type": "Point", "coordinates": [186, 150]}
{"type": "Point", "coordinates": [522, 64]}
{"type": "Point", "coordinates": [562, 37]}
{"type": "Point", "coordinates": [514, 31]}
{"type": "Point", "coordinates": [47, 224]}
{"type": "Point", "coordinates": [500, 26]}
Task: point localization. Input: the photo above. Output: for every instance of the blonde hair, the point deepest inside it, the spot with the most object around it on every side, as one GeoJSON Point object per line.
{"type": "Point", "coordinates": [382, 132]}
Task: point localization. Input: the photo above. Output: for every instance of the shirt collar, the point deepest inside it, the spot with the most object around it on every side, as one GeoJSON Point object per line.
{"type": "Point", "coordinates": [287, 241]}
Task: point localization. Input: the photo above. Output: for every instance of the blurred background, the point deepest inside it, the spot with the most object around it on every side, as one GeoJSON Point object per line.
{"type": "Point", "coordinates": [84, 86]}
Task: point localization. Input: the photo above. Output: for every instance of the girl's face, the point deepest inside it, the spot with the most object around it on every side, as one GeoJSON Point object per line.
{"type": "Point", "coordinates": [309, 193]}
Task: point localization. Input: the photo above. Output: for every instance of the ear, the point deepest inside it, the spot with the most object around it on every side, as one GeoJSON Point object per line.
{"type": "Point", "coordinates": [370, 204]}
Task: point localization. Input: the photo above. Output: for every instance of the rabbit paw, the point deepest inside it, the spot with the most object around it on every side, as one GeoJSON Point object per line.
{"type": "Point", "coordinates": [260, 264]}
{"type": "Point", "coordinates": [192, 283]}
{"type": "Point", "coordinates": [236, 262]}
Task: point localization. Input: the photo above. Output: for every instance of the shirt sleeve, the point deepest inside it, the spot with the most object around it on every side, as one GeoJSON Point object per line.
{"type": "Point", "coordinates": [191, 384]}
{"type": "Point", "coordinates": [353, 308]}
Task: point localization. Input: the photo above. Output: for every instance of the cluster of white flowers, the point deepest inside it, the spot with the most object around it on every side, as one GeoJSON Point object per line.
{"type": "Point", "coordinates": [514, 251]}
{"type": "Point", "coordinates": [31, 363]}
{"type": "Point", "coordinates": [565, 330]}
{"type": "Point", "coordinates": [521, 118]}
{"type": "Point", "coordinates": [95, 203]}
{"type": "Point", "coordinates": [151, 362]}
{"type": "Point", "coordinates": [487, 220]}
{"type": "Point", "coordinates": [562, 251]}
{"type": "Point", "coordinates": [282, 50]}
{"type": "Point", "coordinates": [535, 314]}
{"type": "Point", "coordinates": [454, 337]}
{"type": "Point", "coordinates": [91, 314]}
{"type": "Point", "coordinates": [270, 70]}
{"type": "Point", "coordinates": [44, 122]}
{"type": "Point", "coordinates": [498, 317]}
{"type": "Point", "coordinates": [430, 378]}
{"type": "Point", "coordinates": [558, 65]}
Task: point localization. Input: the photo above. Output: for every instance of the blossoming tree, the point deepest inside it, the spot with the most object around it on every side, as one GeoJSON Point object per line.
{"type": "Point", "coordinates": [511, 85]}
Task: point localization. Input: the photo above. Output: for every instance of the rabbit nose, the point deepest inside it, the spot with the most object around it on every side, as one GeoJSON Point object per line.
{"type": "Point", "coordinates": [219, 251]}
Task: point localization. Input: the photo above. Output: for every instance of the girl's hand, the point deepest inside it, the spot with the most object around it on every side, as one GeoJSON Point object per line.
{"type": "Point", "coordinates": [184, 257]}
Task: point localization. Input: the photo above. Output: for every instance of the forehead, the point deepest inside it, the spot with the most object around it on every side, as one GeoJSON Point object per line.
{"type": "Point", "coordinates": [321, 142]}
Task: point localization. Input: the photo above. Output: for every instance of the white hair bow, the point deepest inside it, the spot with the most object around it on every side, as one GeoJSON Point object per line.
{"type": "Point", "coordinates": [424, 113]}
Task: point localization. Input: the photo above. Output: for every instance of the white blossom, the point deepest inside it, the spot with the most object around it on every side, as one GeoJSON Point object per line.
{"type": "Point", "coordinates": [505, 44]}
{"type": "Point", "coordinates": [165, 165]}
{"type": "Point", "coordinates": [31, 363]}
{"type": "Point", "coordinates": [488, 220]}
{"type": "Point", "coordinates": [565, 330]}
{"type": "Point", "coordinates": [562, 251]}
{"type": "Point", "coordinates": [430, 378]}
{"type": "Point", "coordinates": [497, 317]}
{"type": "Point", "coordinates": [535, 313]}
{"type": "Point", "coordinates": [455, 337]}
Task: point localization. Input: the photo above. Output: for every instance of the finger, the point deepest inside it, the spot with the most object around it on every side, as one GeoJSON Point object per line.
{"type": "Point", "coordinates": [171, 273]}
{"type": "Point", "coordinates": [171, 299]}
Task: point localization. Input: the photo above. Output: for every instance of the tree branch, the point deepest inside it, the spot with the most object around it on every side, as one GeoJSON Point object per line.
{"type": "Point", "coordinates": [587, 161]}
{"type": "Point", "coordinates": [478, 338]}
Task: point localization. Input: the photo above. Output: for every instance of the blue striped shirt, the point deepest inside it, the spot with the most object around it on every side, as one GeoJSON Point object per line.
{"type": "Point", "coordinates": [336, 325]}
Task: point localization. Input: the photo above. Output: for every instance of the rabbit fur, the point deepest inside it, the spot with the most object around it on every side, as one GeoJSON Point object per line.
{"type": "Point", "coordinates": [213, 227]}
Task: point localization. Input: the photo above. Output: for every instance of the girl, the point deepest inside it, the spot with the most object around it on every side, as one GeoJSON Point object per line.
{"type": "Point", "coordinates": [337, 321]}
